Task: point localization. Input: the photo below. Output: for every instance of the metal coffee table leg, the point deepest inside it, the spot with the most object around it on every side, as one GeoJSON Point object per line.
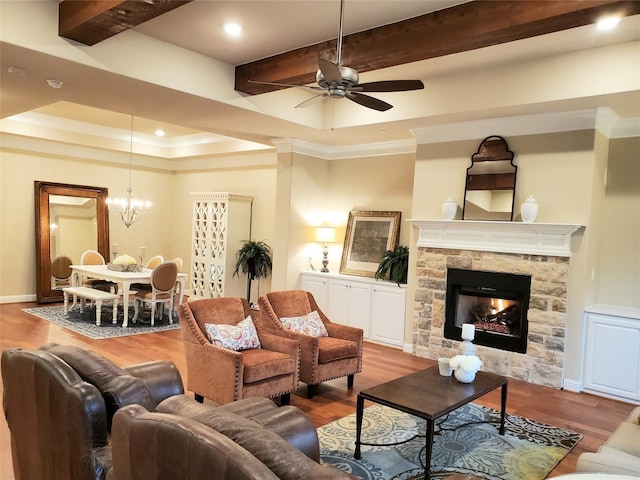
{"type": "Point", "coordinates": [359, 414]}
{"type": "Point", "coordinates": [428, 448]}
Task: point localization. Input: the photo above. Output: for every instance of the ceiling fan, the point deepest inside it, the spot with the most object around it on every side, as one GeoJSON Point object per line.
{"type": "Point", "coordinates": [338, 81]}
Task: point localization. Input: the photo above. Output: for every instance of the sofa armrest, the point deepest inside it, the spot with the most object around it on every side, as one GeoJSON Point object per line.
{"type": "Point", "coordinates": [214, 372]}
{"type": "Point", "coordinates": [277, 343]}
{"type": "Point", "coordinates": [161, 376]}
{"type": "Point", "coordinates": [609, 460]}
{"type": "Point", "coordinates": [344, 332]}
{"type": "Point", "coordinates": [294, 426]}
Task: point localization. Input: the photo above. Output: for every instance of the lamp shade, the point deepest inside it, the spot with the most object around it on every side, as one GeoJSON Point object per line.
{"type": "Point", "coordinates": [325, 234]}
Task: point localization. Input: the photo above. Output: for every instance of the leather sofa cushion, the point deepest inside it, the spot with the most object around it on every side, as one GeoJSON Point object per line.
{"type": "Point", "coordinates": [332, 349]}
{"type": "Point", "coordinates": [117, 387]}
{"type": "Point", "coordinates": [287, 462]}
{"type": "Point", "coordinates": [165, 446]}
{"type": "Point", "coordinates": [260, 364]}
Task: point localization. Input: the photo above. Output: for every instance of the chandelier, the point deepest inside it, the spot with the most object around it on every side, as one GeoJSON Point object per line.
{"type": "Point", "coordinates": [128, 206]}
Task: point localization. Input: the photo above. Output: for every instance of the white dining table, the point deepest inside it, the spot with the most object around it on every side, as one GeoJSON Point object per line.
{"type": "Point", "coordinates": [123, 279]}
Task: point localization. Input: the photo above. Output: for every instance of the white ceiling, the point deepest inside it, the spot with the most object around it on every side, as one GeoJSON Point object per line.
{"type": "Point", "coordinates": [272, 27]}
{"type": "Point", "coordinates": [102, 100]}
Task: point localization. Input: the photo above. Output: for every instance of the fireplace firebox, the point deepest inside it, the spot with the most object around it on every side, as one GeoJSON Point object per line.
{"type": "Point", "coordinates": [495, 303]}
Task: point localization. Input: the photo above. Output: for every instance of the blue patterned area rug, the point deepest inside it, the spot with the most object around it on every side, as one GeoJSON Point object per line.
{"type": "Point", "coordinates": [85, 323]}
{"type": "Point", "coordinates": [528, 450]}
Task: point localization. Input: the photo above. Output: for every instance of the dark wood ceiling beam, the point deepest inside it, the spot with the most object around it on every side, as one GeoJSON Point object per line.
{"type": "Point", "coordinates": [457, 29]}
{"type": "Point", "coordinates": [90, 22]}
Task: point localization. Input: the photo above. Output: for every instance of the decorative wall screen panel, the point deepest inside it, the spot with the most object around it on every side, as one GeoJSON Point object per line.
{"type": "Point", "coordinates": [220, 222]}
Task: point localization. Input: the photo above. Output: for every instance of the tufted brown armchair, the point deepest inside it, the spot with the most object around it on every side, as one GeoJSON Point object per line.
{"type": "Point", "coordinates": [321, 358]}
{"type": "Point", "coordinates": [224, 375]}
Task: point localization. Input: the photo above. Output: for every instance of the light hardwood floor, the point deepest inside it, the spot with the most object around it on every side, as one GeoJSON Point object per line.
{"type": "Point", "coordinates": [594, 417]}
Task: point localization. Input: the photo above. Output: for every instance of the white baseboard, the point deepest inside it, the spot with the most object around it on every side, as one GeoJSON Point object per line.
{"type": "Point", "coordinates": [407, 347]}
{"type": "Point", "coordinates": [18, 298]}
{"type": "Point", "coordinates": [572, 385]}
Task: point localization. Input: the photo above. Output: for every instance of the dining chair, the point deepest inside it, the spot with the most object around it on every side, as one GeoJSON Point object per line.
{"type": "Point", "coordinates": [93, 257]}
{"type": "Point", "coordinates": [61, 272]}
{"type": "Point", "coordinates": [163, 285]}
{"type": "Point", "coordinates": [179, 263]}
{"type": "Point", "coordinates": [153, 262]}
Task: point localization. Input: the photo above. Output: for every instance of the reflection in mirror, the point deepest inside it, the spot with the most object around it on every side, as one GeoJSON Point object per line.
{"type": "Point", "coordinates": [69, 220]}
{"type": "Point", "coordinates": [73, 225]}
{"type": "Point", "coordinates": [491, 182]}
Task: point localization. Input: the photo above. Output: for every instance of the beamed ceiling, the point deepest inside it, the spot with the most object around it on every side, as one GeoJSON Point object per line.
{"type": "Point", "coordinates": [460, 28]}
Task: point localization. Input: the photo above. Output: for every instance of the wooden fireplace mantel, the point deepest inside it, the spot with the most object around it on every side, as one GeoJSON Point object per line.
{"type": "Point", "coordinates": [553, 239]}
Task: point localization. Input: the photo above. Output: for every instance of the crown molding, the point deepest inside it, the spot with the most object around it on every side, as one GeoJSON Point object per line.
{"type": "Point", "coordinates": [378, 149]}
{"type": "Point", "coordinates": [602, 119]}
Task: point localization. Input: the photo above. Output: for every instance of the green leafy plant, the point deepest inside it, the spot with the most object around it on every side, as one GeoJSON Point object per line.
{"type": "Point", "coordinates": [394, 265]}
{"type": "Point", "coordinates": [254, 260]}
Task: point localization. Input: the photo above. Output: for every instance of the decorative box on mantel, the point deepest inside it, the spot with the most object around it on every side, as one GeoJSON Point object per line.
{"type": "Point", "coordinates": [552, 239]}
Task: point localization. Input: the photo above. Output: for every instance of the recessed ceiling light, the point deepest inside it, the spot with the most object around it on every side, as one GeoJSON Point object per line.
{"type": "Point", "coordinates": [160, 133]}
{"type": "Point", "coordinates": [233, 29]}
{"type": "Point", "coordinates": [608, 23]}
{"type": "Point", "coordinates": [54, 83]}
{"type": "Point", "coordinates": [17, 71]}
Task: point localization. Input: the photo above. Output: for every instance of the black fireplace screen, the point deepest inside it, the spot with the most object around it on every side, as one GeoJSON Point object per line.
{"type": "Point", "coordinates": [495, 303]}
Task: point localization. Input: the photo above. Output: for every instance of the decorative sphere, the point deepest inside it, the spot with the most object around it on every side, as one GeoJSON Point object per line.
{"type": "Point", "coordinates": [464, 376]}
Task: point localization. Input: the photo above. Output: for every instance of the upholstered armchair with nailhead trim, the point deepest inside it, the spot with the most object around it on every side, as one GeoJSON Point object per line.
{"type": "Point", "coordinates": [232, 367]}
{"type": "Point", "coordinates": [334, 352]}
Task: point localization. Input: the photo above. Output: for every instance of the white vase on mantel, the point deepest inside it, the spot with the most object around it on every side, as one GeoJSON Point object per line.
{"type": "Point", "coordinates": [449, 209]}
{"type": "Point", "coordinates": [529, 210]}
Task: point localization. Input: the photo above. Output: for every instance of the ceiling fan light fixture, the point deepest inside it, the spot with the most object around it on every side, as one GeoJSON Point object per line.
{"type": "Point", "coordinates": [339, 81]}
{"type": "Point", "coordinates": [350, 77]}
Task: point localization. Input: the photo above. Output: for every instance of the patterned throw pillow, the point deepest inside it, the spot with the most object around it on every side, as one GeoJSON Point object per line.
{"type": "Point", "coordinates": [242, 336]}
{"type": "Point", "coordinates": [311, 324]}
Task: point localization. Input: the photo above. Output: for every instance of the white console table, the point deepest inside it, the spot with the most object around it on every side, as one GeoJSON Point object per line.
{"type": "Point", "coordinates": [378, 307]}
{"type": "Point", "coordinates": [611, 364]}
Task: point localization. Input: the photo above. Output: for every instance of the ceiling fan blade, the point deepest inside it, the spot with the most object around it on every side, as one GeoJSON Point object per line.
{"type": "Point", "coordinates": [369, 102]}
{"type": "Point", "coordinates": [390, 86]}
{"type": "Point", "coordinates": [310, 101]}
{"type": "Point", "coordinates": [330, 71]}
{"type": "Point", "coordinates": [286, 85]}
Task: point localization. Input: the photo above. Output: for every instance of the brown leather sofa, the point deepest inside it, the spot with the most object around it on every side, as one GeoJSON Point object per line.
{"type": "Point", "coordinates": [60, 402]}
{"type": "Point", "coordinates": [209, 443]}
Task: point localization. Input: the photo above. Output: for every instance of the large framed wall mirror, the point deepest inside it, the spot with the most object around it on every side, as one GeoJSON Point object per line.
{"type": "Point", "coordinates": [491, 182]}
{"type": "Point", "coordinates": [70, 219]}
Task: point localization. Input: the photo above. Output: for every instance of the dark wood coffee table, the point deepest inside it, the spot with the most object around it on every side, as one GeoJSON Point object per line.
{"type": "Point", "coordinates": [429, 395]}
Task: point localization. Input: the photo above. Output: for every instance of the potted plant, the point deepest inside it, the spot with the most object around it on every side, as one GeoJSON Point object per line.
{"type": "Point", "coordinates": [254, 260]}
{"type": "Point", "coordinates": [394, 265]}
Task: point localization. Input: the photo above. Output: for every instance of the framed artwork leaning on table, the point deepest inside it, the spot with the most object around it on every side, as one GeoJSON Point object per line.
{"type": "Point", "coordinates": [368, 236]}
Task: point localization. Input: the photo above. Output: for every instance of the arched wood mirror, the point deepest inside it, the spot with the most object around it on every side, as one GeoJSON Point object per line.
{"type": "Point", "coordinates": [491, 182]}
{"type": "Point", "coordinates": [69, 220]}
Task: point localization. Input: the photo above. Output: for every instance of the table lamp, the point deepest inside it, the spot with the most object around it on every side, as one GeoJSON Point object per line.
{"type": "Point", "coordinates": [325, 235]}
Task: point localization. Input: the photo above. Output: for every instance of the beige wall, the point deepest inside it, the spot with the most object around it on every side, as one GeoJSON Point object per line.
{"type": "Point", "coordinates": [618, 272]}
{"type": "Point", "coordinates": [166, 230]}
{"type": "Point", "coordinates": [19, 169]}
{"type": "Point", "coordinates": [565, 172]}
{"type": "Point", "coordinates": [559, 170]}
{"type": "Point", "coordinates": [256, 181]}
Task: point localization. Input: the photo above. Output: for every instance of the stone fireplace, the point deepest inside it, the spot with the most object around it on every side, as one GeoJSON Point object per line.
{"type": "Point", "coordinates": [536, 251]}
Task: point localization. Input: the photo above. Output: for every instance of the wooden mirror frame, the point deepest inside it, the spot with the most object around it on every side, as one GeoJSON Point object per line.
{"type": "Point", "coordinates": [491, 170]}
{"type": "Point", "coordinates": [44, 292]}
